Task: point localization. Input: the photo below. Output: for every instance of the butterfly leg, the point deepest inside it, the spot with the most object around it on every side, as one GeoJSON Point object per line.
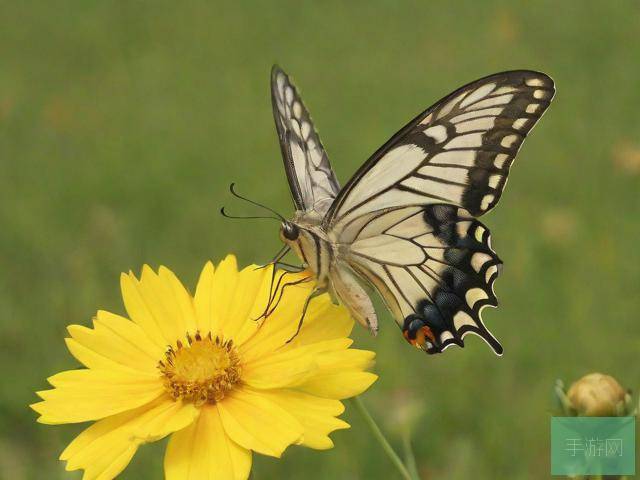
{"type": "Point", "coordinates": [312, 295]}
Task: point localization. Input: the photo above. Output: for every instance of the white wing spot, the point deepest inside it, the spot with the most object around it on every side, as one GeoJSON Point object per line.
{"type": "Point", "coordinates": [490, 271]}
{"type": "Point", "coordinates": [503, 90]}
{"type": "Point", "coordinates": [493, 101]}
{"type": "Point", "coordinates": [475, 295]}
{"type": "Point", "coordinates": [477, 94]}
{"type": "Point", "coordinates": [534, 82]}
{"type": "Point", "coordinates": [427, 119]}
{"type": "Point", "coordinates": [467, 158]}
{"type": "Point", "coordinates": [540, 94]}
{"type": "Point", "coordinates": [437, 132]}
{"type": "Point", "coordinates": [500, 159]}
{"type": "Point", "coordinates": [288, 94]}
{"type": "Point", "coordinates": [306, 128]}
{"type": "Point", "coordinates": [520, 123]}
{"type": "Point", "coordinates": [494, 181]}
{"type": "Point", "coordinates": [446, 110]}
{"type": "Point", "coordinates": [488, 112]}
{"type": "Point", "coordinates": [479, 233]}
{"type": "Point", "coordinates": [486, 201]}
{"type": "Point", "coordinates": [479, 124]}
{"type": "Point", "coordinates": [297, 110]}
{"type": "Point", "coordinates": [509, 140]}
{"type": "Point", "coordinates": [471, 140]}
{"type": "Point", "coordinates": [462, 318]}
{"type": "Point", "coordinates": [478, 260]}
{"type": "Point", "coordinates": [446, 335]}
{"type": "Point", "coordinates": [533, 107]}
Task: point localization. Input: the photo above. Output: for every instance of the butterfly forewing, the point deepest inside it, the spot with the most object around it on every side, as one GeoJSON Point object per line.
{"type": "Point", "coordinates": [458, 151]}
{"type": "Point", "coordinates": [311, 179]}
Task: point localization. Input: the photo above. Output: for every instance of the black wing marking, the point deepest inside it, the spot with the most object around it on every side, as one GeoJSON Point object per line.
{"type": "Point", "coordinates": [312, 181]}
{"type": "Point", "coordinates": [433, 266]}
{"type": "Point", "coordinates": [458, 151]}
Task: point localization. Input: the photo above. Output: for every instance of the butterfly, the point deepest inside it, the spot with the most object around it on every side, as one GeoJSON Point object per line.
{"type": "Point", "coordinates": [406, 223]}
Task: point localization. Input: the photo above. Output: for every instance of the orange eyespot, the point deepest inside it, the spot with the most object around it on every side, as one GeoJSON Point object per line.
{"type": "Point", "coordinates": [421, 335]}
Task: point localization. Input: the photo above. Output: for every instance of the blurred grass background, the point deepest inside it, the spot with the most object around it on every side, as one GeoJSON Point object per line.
{"type": "Point", "coordinates": [122, 124]}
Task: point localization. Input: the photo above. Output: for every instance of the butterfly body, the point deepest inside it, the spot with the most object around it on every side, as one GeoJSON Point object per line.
{"type": "Point", "coordinates": [406, 223]}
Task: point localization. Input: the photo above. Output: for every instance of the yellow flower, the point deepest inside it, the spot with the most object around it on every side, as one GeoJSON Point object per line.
{"type": "Point", "coordinates": [201, 368]}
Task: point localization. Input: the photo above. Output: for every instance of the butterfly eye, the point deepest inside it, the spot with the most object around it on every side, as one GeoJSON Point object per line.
{"type": "Point", "coordinates": [290, 231]}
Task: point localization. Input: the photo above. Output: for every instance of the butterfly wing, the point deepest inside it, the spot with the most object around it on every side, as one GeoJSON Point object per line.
{"type": "Point", "coordinates": [458, 151]}
{"type": "Point", "coordinates": [434, 267]}
{"type": "Point", "coordinates": [408, 214]}
{"type": "Point", "coordinates": [311, 179]}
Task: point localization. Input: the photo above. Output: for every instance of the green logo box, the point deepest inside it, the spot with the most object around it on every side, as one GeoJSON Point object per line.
{"type": "Point", "coordinates": [593, 445]}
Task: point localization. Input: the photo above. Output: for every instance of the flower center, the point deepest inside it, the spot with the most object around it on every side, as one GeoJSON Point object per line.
{"type": "Point", "coordinates": [202, 371]}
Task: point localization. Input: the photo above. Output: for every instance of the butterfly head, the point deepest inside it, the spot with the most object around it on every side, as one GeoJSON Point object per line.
{"type": "Point", "coordinates": [289, 232]}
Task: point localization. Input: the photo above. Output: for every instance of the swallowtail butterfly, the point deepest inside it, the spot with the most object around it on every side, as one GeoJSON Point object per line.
{"type": "Point", "coordinates": [406, 224]}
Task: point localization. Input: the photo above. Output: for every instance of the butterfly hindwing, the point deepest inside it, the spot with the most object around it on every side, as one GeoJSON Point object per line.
{"type": "Point", "coordinates": [311, 179]}
{"type": "Point", "coordinates": [433, 266]}
{"type": "Point", "coordinates": [458, 151]}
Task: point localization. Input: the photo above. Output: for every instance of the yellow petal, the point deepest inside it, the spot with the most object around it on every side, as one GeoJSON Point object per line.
{"type": "Point", "coordinates": [240, 321]}
{"type": "Point", "coordinates": [284, 369]}
{"type": "Point", "coordinates": [180, 300]}
{"type": "Point", "coordinates": [316, 415]}
{"type": "Point", "coordinates": [104, 449]}
{"type": "Point", "coordinates": [168, 303]}
{"type": "Point", "coordinates": [340, 371]}
{"type": "Point", "coordinates": [117, 339]}
{"type": "Point", "coordinates": [281, 325]}
{"type": "Point", "coordinates": [341, 360]}
{"type": "Point", "coordinates": [325, 321]}
{"type": "Point", "coordinates": [339, 385]}
{"type": "Point", "coordinates": [214, 294]}
{"type": "Point", "coordinates": [257, 423]}
{"type": "Point", "coordinates": [202, 300]}
{"type": "Point", "coordinates": [204, 451]}
{"type": "Point", "coordinates": [140, 312]}
{"type": "Point", "coordinates": [83, 395]}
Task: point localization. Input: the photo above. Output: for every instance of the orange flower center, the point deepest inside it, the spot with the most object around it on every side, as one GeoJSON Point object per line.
{"type": "Point", "coordinates": [202, 371]}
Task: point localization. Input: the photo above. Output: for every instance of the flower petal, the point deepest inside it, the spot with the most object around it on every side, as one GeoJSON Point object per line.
{"type": "Point", "coordinates": [240, 322]}
{"type": "Point", "coordinates": [316, 415]}
{"type": "Point", "coordinates": [140, 312]}
{"type": "Point", "coordinates": [117, 339]}
{"type": "Point", "coordinates": [105, 448]}
{"type": "Point", "coordinates": [214, 294]}
{"type": "Point", "coordinates": [179, 302]}
{"type": "Point", "coordinates": [339, 385]}
{"type": "Point", "coordinates": [83, 395]}
{"type": "Point", "coordinates": [204, 451]}
{"type": "Point", "coordinates": [284, 369]}
{"type": "Point", "coordinates": [202, 300]}
{"type": "Point", "coordinates": [256, 423]}
{"type": "Point", "coordinates": [340, 373]}
{"type": "Point", "coordinates": [280, 326]}
{"type": "Point", "coordinates": [325, 321]}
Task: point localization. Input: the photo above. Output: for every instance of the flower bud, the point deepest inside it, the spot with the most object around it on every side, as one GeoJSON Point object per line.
{"type": "Point", "coordinates": [598, 395]}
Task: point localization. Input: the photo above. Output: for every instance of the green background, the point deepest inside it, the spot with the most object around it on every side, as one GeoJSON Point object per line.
{"type": "Point", "coordinates": [122, 124]}
{"type": "Point", "coordinates": [588, 445]}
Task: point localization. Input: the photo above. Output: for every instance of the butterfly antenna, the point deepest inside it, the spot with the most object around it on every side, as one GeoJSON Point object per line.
{"type": "Point", "coordinates": [250, 217]}
{"type": "Point", "coordinates": [237, 195]}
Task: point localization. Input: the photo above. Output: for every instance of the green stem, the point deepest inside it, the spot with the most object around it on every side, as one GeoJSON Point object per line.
{"type": "Point", "coordinates": [377, 433]}
{"type": "Point", "coordinates": [409, 457]}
